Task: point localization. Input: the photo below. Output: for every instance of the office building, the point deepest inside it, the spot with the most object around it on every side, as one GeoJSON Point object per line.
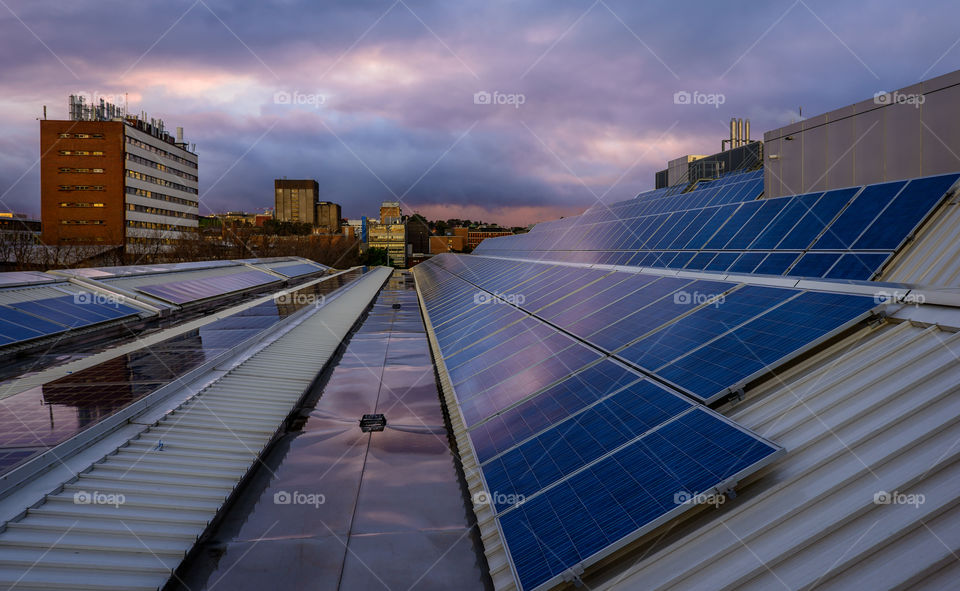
{"type": "Point", "coordinates": [296, 200]}
{"type": "Point", "coordinates": [328, 217]}
{"type": "Point", "coordinates": [392, 237]}
{"type": "Point", "coordinates": [107, 178]}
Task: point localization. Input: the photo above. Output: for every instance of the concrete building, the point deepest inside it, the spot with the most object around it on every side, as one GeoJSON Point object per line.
{"type": "Point", "coordinates": [111, 179]}
{"type": "Point", "coordinates": [911, 132]}
{"type": "Point", "coordinates": [328, 217]}
{"type": "Point", "coordinates": [296, 200]}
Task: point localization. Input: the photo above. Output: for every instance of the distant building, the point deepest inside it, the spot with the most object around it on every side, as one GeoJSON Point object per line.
{"type": "Point", "coordinates": [439, 244]}
{"type": "Point", "coordinates": [111, 179]}
{"type": "Point", "coordinates": [393, 238]}
{"type": "Point", "coordinates": [418, 235]}
{"type": "Point", "coordinates": [390, 212]}
{"type": "Point", "coordinates": [296, 200]}
{"type": "Point", "coordinates": [474, 236]}
{"type": "Point", "coordinates": [18, 222]}
{"type": "Point", "coordinates": [328, 217]}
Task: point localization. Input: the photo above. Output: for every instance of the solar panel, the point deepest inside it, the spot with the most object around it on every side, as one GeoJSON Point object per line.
{"type": "Point", "coordinates": [550, 419]}
{"type": "Point", "coordinates": [626, 494]}
{"type": "Point", "coordinates": [191, 290]}
{"type": "Point", "coordinates": [296, 270]}
{"type": "Point", "coordinates": [709, 227]}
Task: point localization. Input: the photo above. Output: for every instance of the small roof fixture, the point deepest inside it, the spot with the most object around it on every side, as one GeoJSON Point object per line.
{"type": "Point", "coordinates": [370, 423]}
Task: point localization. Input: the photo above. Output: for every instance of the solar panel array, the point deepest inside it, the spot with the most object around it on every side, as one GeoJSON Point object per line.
{"type": "Point", "coordinates": [193, 290]}
{"type": "Point", "coordinates": [583, 391]}
{"type": "Point", "coordinates": [41, 417]}
{"type": "Point", "coordinates": [55, 312]}
{"type": "Point", "coordinates": [297, 269]}
{"type": "Point", "coordinates": [722, 226]}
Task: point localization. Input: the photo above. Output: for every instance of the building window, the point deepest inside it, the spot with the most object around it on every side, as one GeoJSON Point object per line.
{"type": "Point", "coordinates": [66, 169]}
{"type": "Point", "coordinates": [82, 222]}
{"type": "Point", "coordinates": [80, 187]}
{"type": "Point", "coordinates": [79, 204]}
{"type": "Point", "coordinates": [81, 153]}
{"type": "Point", "coordinates": [80, 136]}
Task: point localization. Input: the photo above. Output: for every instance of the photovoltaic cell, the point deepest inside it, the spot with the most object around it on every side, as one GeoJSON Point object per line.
{"type": "Point", "coordinates": [614, 498]}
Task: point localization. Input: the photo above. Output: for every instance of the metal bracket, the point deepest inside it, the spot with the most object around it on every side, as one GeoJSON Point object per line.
{"type": "Point", "coordinates": [573, 574]}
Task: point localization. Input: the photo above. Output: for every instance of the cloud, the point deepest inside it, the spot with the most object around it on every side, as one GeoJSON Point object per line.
{"type": "Point", "coordinates": [397, 81]}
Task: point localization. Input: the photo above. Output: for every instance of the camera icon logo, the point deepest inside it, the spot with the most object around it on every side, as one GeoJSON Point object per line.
{"type": "Point", "coordinates": [681, 97]}
{"type": "Point", "coordinates": [881, 97]}
{"type": "Point", "coordinates": [82, 497]}
{"type": "Point", "coordinates": [282, 498]}
{"type": "Point", "coordinates": [882, 497]}
{"type": "Point", "coordinates": [682, 497]}
{"type": "Point", "coordinates": [281, 98]}
{"type": "Point", "coordinates": [682, 298]}
{"type": "Point", "coordinates": [481, 498]}
{"type": "Point", "coordinates": [481, 298]}
{"type": "Point", "coordinates": [481, 98]}
{"type": "Point", "coordinates": [83, 298]}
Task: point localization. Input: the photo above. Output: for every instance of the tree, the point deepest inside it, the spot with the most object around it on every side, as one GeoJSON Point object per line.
{"type": "Point", "coordinates": [376, 257]}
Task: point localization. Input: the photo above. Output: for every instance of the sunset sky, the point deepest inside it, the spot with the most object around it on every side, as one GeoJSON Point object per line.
{"type": "Point", "coordinates": [386, 89]}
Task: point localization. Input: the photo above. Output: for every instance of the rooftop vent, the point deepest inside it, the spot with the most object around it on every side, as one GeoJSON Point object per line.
{"type": "Point", "coordinates": [370, 423]}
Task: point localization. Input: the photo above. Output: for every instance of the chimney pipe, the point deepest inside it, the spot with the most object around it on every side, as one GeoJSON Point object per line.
{"type": "Point", "coordinates": [746, 130]}
{"type": "Point", "coordinates": [179, 135]}
{"type": "Point", "coordinates": [733, 132]}
{"type": "Point", "coordinates": [739, 132]}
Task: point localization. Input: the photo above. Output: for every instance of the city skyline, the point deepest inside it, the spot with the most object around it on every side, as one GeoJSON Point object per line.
{"type": "Point", "coordinates": [510, 114]}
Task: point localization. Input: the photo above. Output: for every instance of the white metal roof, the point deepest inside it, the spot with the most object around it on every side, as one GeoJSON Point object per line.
{"type": "Point", "coordinates": [129, 520]}
{"type": "Point", "coordinates": [930, 259]}
{"type": "Point", "coordinates": [877, 413]}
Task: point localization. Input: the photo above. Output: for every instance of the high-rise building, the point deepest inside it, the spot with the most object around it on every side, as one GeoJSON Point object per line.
{"type": "Point", "coordinates": [296, 200]}
{"type": "Point", "coordinates": [111, 179]}
{"type": "Point", "coordinates": [328, 217]}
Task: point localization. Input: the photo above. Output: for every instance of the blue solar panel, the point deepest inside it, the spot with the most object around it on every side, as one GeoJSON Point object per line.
{"type": "Point", "coordinates": [857, 266]}
{"type": "Point", "coordinates": [907, 210]}
{"type": "Point", "coordinates": [191, 290]}
{"type": "Point", "coordinates": [44, 317]}
{"type": "Point", "coordinates": [579, 440]}
{"type": "Point", "coordinates": [296, 270]}
{"type": "Point", "coordinates": [552, 405]}
{"type": "Point", "coordinates": [859, 214]}
{"type": "Point", "coordinates": [616, 498]}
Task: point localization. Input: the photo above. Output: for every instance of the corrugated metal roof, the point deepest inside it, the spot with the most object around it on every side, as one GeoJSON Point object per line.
{"type": "Point", "coordinates": [129, 520]}
{"type": "Point", "coordinates": [877, 413]}
{"type": "Point", "coordinates": [930, 259]}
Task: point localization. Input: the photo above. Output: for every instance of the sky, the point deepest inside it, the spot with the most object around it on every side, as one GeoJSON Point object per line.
{"type": "Point", "coordinates": [508, 111]}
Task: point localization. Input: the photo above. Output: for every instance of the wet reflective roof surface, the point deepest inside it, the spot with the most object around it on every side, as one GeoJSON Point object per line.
{"type": "Point", "coordinates": [336, 508]}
